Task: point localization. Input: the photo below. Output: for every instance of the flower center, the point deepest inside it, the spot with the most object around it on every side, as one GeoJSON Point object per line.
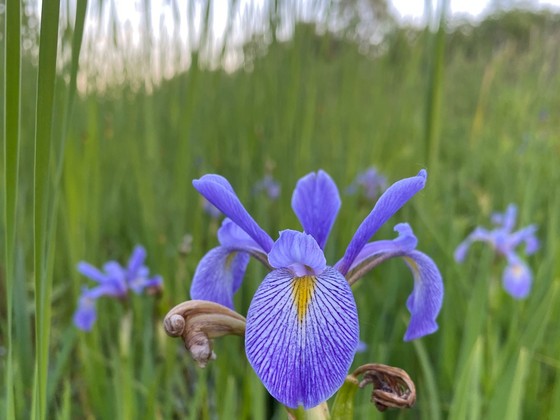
{"type": "Point", "coordinates": [302, 293]}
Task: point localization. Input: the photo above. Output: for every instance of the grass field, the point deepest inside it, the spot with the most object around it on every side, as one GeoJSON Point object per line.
{"type": "Point", "coordinates": [88, 175]}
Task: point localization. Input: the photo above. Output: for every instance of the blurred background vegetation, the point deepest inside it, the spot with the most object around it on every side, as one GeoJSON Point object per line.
{"type": "Point", "coordinates": [99, 154]}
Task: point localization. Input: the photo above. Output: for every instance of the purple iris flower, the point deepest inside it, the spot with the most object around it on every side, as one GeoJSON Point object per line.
{"type": "Point", "coordinates": [302, 324]}
{"type": "Point", "coordinates": [370, 182]}
{"type": "Point", "coordinates": [269, 186]}
{"type": "Point", "coordinates": [114, 281]}
{"type": "Point", "coordinates": [517, 277]}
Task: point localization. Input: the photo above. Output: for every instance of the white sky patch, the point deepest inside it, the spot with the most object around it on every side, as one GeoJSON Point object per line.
{"type": "Point", "coordinates": [141, 46]}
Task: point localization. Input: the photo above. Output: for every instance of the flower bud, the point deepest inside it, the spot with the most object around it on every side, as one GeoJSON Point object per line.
{"type": "Point", "coordinates": [392, 387]}
{"type": "Point", "coordinates": [200, 321]}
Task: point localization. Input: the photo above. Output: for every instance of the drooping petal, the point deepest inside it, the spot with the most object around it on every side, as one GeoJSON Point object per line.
{"type": "Point", "coordinates": [299, 252]}
{"type": "Point", "coordinates": [517, 278]}
{"type": "Point", "coordinates": [526, 235]}
{"type": "Point", "coordinates": [136, 259]}
{"type": "Point", "coordinates": [92, 272]}
{"type": "Point", "coordinates": [140, 283]}
{"type": "Point", "coordinates": [85, 314]}
{"type": "Point", "coordinates": [387, 205]}
{"type": "Point", "coordinates": [424, 303]}
{"type": "Point", "coordinates": [404, 243]}
{"type": "Point", "coordinates": [301, 335]}
{"type": "Point", "coordinates": [316, 203]}
{"type": "Point", "coordinates": [218, 275]}
{"type": "Point", "coordinates": [461, 250]}
{"type": "Point", "coordinates": [479, 234]}
{"type": "Point", "coordinates": [219, 192]}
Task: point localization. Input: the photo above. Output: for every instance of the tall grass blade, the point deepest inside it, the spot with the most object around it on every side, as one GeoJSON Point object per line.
{"type": "Point", "coordinates": [433, 399]}
{"type": "Point", "coordinates": [466, 400]}
{"type": "Point", "coordinates": [43, 138]}
{"type": "Point", "coordinates": [435, 92]}
{"type": "Point", "coordinates": [12, 97]}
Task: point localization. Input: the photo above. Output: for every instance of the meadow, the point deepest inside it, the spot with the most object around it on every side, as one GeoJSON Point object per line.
{"type": "Point", "coordinates": [88, 174]}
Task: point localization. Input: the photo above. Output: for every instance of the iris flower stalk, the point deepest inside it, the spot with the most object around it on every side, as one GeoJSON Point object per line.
{"type": "Point", "coordinates": [517, 277]}
{"type": "Point", "coordinates": [302, 324]}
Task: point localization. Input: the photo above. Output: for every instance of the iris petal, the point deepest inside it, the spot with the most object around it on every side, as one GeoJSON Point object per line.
{"type": "Point", "coordinates": [85, 315]}
{"type": "Point", "coordinates": [316, 203]}
{"type": "Point", "coordinates": [405, 242]}
{"type": "Point", "coordinates": [517, 278]}
{"type": "Point", "coordinates": [219, 192]}
{"type": "Point", "coordinates": [387, 205]}
{"type": "Point", "coordinates": [301, 335]}
{"type": "Point", "coordinates": [92, 272]}
{"type": "Point", "coordinates": [299, 252]}
{"type": "Point", "coordinates": [232, 236]}
{"type": "Point", "coordinates": [424, 303]}
{"type": "Point", "coordinates": [479, 234]}
{"type": "Point", "coordinates": [136, 259]}
{"type": "Point", "coordinates": [218, 275]}
{"type": "Point", "coordinates": [526, 235]}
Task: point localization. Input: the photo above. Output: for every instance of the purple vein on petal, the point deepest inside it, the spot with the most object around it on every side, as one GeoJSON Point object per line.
{"type": "Point", "coordinates": [302, 362]}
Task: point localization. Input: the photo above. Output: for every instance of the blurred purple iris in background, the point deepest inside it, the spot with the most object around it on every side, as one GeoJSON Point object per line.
{"type": "Point", "coordinates": [302, 324]}
{"type": "Point", "coordinates": [269, 186]}
{"type": "Point", "coordinates": [210, 209]}
{"type": "Point", "coordinates": [370, 183]}
{"type": "Point", "coordinates": [114, 281]}
{"type": "Point", "coordinates": [517, 277]}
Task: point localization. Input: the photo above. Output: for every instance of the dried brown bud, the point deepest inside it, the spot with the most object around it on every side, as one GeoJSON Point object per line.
{"type": "Point", "coordinates": [200, 321]}
{"type": "Point", "coordinates": [392, 387]}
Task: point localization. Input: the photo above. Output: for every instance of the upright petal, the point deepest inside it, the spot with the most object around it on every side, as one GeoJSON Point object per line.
{"type": "Point", "coordinates": [301, 335]}
{"type": "Point", "coordinates": [218, 275]}
{"type": "Point", "coordinates": [316, 203]}
{"type": "Point", "coordinates": [219, 192]}
{"type": "Point", "coordinates": [517, 278]}
{"type": "Point", "coordinates": [505, 220]}
{"type": "Point", "coordinates": [424, 303]}
{"type": "Point", "coordinates": [388, 204]}
{"type": "Point", "coordinates": [136, 259]}
{"type": "Point", "coordinates": [298, 252]}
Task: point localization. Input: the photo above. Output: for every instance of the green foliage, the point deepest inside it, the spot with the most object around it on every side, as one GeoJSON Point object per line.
{"type": "Point", "coordinates": [114, 169]}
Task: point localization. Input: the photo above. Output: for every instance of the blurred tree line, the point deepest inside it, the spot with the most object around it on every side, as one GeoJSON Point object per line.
{"type": "Point", "coordinates": [364, 25]}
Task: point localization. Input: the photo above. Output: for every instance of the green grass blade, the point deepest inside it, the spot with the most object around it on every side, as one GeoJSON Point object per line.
{"type": "Point", "coordinates": [508, 401]}
{"type": "Point", "coordinates": [466, 401]}
{"type": "Point", "coordinates": [430, 381]}
{"type": "Point", "coordinates": [43, 139]}
{"type": "Point", "coordinates": [12, 98]}
{"type": "Point", "coordinates": [435, 92]}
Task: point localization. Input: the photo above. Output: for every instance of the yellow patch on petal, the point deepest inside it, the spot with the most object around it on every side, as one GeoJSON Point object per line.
{"type": "Point", "coordinates": [302, 293]}
{"type": "Point", "coordinates": [413, 266]}
{"type": "Point", "coordinates": [229, 259]}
